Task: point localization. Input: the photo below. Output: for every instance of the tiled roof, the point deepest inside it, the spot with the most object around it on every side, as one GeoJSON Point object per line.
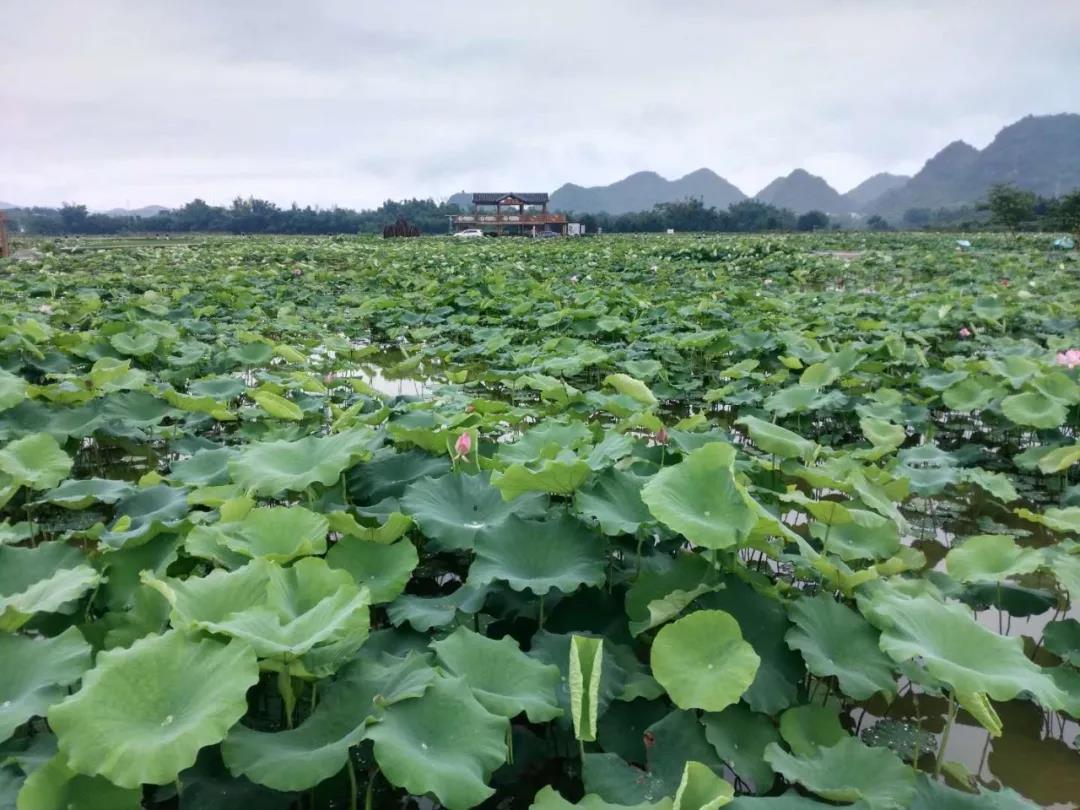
{"type": "Point", "coordinates": [492, 198]}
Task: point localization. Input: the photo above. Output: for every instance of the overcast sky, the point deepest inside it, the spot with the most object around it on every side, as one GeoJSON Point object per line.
{"type": "Point", "coordinates": [324, 102]}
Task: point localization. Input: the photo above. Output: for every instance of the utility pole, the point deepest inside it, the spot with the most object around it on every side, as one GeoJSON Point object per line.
{"type": "Point", "coordinates": [5, 247]}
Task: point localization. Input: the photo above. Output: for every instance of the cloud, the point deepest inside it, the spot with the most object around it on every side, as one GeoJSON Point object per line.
{"type": "Point", "coordinates": [112, 103]}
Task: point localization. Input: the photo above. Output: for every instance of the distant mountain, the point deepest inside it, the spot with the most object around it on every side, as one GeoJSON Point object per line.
{"type": "Point", "coordinates": [1038, 153]}
{"type": "Point", "coordinates": [642, 190]}
{"type": "Point", "coordinates": [140, 213]}
{"type": "Point", "coordinates": [873, 187]}
{"type": "Point", "coordinates": [801, 191]}
{"type": "Point", "coordinates": [7, 206]}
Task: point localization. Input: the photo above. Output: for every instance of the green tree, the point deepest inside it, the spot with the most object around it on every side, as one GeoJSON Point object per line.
{"type": "Point", "coordinates": [1066, 214]}
{"type": "Point", "coordinates": [878, 223]}
{"type": "Point", "coordinates": [1010, 206]}
{"type": "Point", "coordinates": [812, 221]}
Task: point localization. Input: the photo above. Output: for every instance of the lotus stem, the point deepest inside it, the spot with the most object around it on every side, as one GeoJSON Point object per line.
{"type": "Point", "coordinates": [953, 709]}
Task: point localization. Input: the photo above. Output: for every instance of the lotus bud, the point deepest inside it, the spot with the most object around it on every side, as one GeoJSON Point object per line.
{"type": "Point", "coordinates": [661, 436]}
{"type": "Point", "coordinates": [964, 332]}
{"type": "Point", "coordinates": [463, 445]}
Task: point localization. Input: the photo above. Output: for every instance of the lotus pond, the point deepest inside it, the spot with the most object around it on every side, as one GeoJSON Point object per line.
{"type": "Point", "coordinates": [771, 523]}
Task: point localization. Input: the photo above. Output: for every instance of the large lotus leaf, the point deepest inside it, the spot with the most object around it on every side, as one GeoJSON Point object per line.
{"type": "Point", "coordinates": [388, 474]}
{"type": "Point", "coordinates": [972, 660]}
{"type": "Point", "coordinates": [444, 742]}
{"type": "Point", "coordinates": [997, 484]}
{"type": "Point", "coordinates": [12, 533]}
{"type": "Point", "coordinates": [1033, 409]}
{"type": "Point", "coordinates": [300, 758]}
{"type": "Point", "coordinates": [703, 662]}
{"type": "Point", "coordinates": [777, 440]}
{"type": "Point", "coordinates": [423, 613]}
{"type": "Point", "coordinates": [55, 786]}
{"type": "Point", "coordinates": [35, 461]}
{"type": "Point", "coordinates": [809, 727]}
{"type": "Point", "coordinates": [549, 799]}
{"type": "Point", "coordinates": [219, 388]}
{"type": "Point", "coordinates": [1063, 639]}
{"type": "Point", "coordinates": [384, 569]}
{"type": "Point", "coordinates": [764, 622]}
{"type": "Point", "coordinates": [80, 493]}
{"type": "Point", "coordinates": [144, 514]}
{"type": "Point", "coordinates": [849, 772]}
{"type": "Point", "coordinates": [789, 801]}
{"type": "Point", "coordinates": [505, 680]}
{"type": "Point", "coordinates": [35, 672]}
{"type": "Point", "coordinates": [394, 525]}
{"type": "Point", "coordinates": [905, 739]}
{"type": "Point", "coordinates": [869, 536]}
{"type": "Point", "coordinates": [134, 343]}
{"type": "Point", "coordinates": [545, 440]}
{"type": "Point", "coordinates": [143, 713]}
{"type": "Point", "coordinates": [540, 556]}
{"type": "Point", "coordinates": [453, 510]}
{"type": "Point", "coordinates": [990, 558]}
{"type": "Point", "coordinates": [621, 729]}
{"type": "Point", "coordinates": [267, 468]}
{"type": "Point", "coordinates": [1059, 458]}
{"type": "Point", "coordinates": [138, 408]}
{"type": "Point", "coordinates": [283, 613]}
{"type": "Point", "coordinates": [836, 641]}
{"type": "Point", "coordinates": [40, 580]}
{"type": "Point", "coordinates": [933, 795]}
{"type": "Point", "coordinates": [613, 500]}
{"type": "Point", "coordinates": [740, 736]}
{"type": "Point", "coordinates": [12, 389]}
{"type": "Point", "coordinates": [208, 785]}
{"type": "Point", "coordinates": [208, 467]}
{"type": "Point", "coordinates": [635, 389]}
{"type": "Point", "coordinates": [558, 476]}
{"type": "Point", "coordinates": [278, 406]}
{"type": "Point", "coordinates": [700, 498]}
{"type": "Point", "coordinates": [1066, 521]}
{"type": "Point", "coordinates": [278, 533]}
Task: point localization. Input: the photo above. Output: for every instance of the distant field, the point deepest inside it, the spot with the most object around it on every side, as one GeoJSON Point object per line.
{"type": "Point", "coordinates": [309, 522]}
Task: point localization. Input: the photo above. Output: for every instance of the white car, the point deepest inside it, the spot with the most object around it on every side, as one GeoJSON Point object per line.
{"type": "Point", "coordinates": [470, 233]}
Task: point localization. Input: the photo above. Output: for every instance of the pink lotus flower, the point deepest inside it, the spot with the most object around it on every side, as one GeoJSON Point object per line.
{"type": "Point", "coordinates": [661, 436]}
{"type": "Point", "coordinates": [463, 445]}
{"type": "Point", "coordinates": [964, 332]}
{"type": "Point", "coordinates": [1069, 359]}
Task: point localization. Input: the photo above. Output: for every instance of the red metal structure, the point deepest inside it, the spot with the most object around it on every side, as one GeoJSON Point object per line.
{"type": "Point", "coordinates": [510, 214]}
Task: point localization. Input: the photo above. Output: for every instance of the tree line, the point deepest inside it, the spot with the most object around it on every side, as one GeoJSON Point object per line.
{"type": "Point", "coordinates": [1005, 206]}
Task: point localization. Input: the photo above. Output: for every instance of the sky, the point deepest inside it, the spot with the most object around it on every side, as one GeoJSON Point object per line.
{"type": "Point", "coordinates": [125, 104]}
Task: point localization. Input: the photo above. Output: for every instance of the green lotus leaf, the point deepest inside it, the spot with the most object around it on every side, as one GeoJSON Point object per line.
{"type": "Point", "coordinates": [586, 672]}
{"type": "Point", "coordinates": [1060, 458]}
{"type": "Point", "coordinates": [146, 513]}
{"type": "Point", "coordinates": [208, 785]}
{"type": "Point", "coordinates": [794, 399]}
{"type": "Point", "coordinates": [555, 649]}
{"type": "Point", "coordinates": [12, 533]}
{"type": "Point", "coordinates": [1057, 385]}
{"type": "Point", "coordinates": [54, 786]}
{"type": "Point", "coordinates": [868, 536]}
{"type": "Point", "coordinates": [763, 622]}
{"type": "Point", "coordinates": [740, 736]}
{"type": "Point", "coordinates": [383, 569]}
{"type": "Point", "coordinates": [444, 742]}
{"type": "Point", "coordinates": [881, 434]}
{"type": "Point", "coordinates": [971, 394]}
{"type": "Point", "coordinates": [664, 588]}
{"type": "Point", "coordinates": [613, 447]}
{"type": "Point", "coordinates": [905, 739]}
{"type": "Point", "coordinates": [933, 795]}
{"type": "Point", "coordinates": [997, 484]}
{"type": "Point", "coordinates": [702, 789]}
{"type": "Point", "coordinates": [278, 533]}
{"type": "Point", "coordinates": [277, 406]}
{"type": "Point", "coordinates": [1033, 409]}
{"type": "Point", "coordinates": [220, 388]}
{"type": "Point", "coordinates": [1065, 520]}
{"type": "Point", "coordinates": [549, 799]}
{"type": "Point", "coordinates": [388, 473]}
{"type": "Point", "coordinates": [79, 494]}
{"type": "Point", "coordinates": [134, 344]}
{"type": "Point", "coordinates": [204, 468]}
{"type": "Point", "coordinates": [703, 662]}
{"type": "Point", "coordinates": [635, 389]}
{"type": "Point", "coordinates": [849, 772]}
{"type": "Point", "coordinates": [35, 672]}
{"type": "Point", "coordinates": [558, 476]}
{"type": "Point", "coordinates": [423, 613]}
{"type": "Point", "coordinates": [35, 461]}
{"type": "Point", "coordinates": [1063, 639]}
{"type": "Point", "coordinates": [143, 713]}
{"type": "Point", "coordinates": [700, 498]}
{"type": "Point", "coordinates": [836, 641]}
{"type": "Point", "coordinates": [505, 680]}
{"type": "Point", "coordinates": [807, 728]}
{"type": "Point", "coordinates": [779, 441]}
{"type": "Point", "coordinates": [394, 527]}
{"type": "Point", "coordinates": [300, 758]}
{"type": "Point", "coordinates": [1013, 368]}
{"type": "Point", "coordinates": [972, 660]}
{"type": "Point", "coordinates": [558, 554]}
{"type": "Point", "coordinates": [613, 500]}
{"type": "Point", "coordinates": [267, 468]}
{"type": "Point", "coordinates": [283, 613]}
{"type": "Point", "coordinates": [990, 558]}
{"type": "Point", "coordinates": [12, 389]}
{"type": "Point", "coordinates": [41, 580]}
{"type": "Point", "coordinates": [789, 801]}
{"type": "Point", "coordinates": [453, 510]}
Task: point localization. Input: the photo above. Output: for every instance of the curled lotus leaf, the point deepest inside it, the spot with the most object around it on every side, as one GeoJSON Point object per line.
{"type": "Point", "coordinates": [35, 461]}
{"type": "Point", "coordinates": [703, 662]}
{"type": "Point", "coordinates": [54, 785]}
{"type": "Point", "coordinates": [613, 500]}
{"type": "Point", "coordinates": [1034, 409]}
{"type": "Point", "coordinates": [144, 712]}
{"type": "Point", "coordinates": [383, 569]}
{"type": "Point", "coordinates": [779, 441]}
{"type": "Point", "coordinates": [990, 558]}
{"type": "Point", "coordinates": [43, 579]}
{"type": "Point", "coordinates": [144, 514]}
{"type": "Point", "coordinates": [278, 533]}
{"type": "Point", "coordinates": [80, 493]}
{"type": "Point", "coordinates": [268, 468]}
{"type": "Point", "coordinates": [35, 672]}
